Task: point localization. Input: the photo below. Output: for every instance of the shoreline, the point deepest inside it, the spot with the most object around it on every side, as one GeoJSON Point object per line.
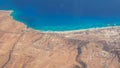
{"type": "Point", "coordinates": [79, 30]}
{"type": "Point", "coordinates": [9, 11]}
{"type": "Point", "coordinates": [66, 31]}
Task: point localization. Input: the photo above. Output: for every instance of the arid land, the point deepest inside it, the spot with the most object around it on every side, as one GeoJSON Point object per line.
{"type": "Point", "coordinates": [21, 47]}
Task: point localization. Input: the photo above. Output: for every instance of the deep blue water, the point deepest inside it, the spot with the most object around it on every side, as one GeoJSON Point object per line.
{"type": "Point", "coordinates": [61, 15]}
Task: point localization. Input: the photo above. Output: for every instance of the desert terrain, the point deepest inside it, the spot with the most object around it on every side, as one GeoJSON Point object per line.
{"type": "Point", "coordinates": [22, 47]}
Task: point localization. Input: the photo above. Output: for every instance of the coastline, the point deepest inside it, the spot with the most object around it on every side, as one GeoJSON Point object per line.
{"type": "Point", "coordinates": [10, 12]}
{"type": "Point", "coordinates": [79, 30]}
{"type": "Point", "coordinates": [29, 48]}
{"type": "Point", "coordinates": [66, 31]}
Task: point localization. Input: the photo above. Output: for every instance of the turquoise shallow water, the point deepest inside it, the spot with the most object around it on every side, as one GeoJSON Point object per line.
{"type": "Point", "coordinates": [64, 15]}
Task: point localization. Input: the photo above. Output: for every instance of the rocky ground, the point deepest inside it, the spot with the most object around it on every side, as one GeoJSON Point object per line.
{"type": "Point", "coordinates": [21, 47]}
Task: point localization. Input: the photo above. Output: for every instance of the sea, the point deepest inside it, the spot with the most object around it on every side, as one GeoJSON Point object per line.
{"type": "Point", "coordinates": [64, 15]}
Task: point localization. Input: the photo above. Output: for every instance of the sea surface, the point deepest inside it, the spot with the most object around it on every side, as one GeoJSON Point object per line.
{"type": "Point", "coordinates": [64, 15]}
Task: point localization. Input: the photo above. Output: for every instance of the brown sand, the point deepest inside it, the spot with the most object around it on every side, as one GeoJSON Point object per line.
{"type": "Point", "coordinates": [26, 48]}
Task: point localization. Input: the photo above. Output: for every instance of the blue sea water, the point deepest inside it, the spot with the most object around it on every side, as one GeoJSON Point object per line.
{"type": "Point", "coordinates": [63, 15]}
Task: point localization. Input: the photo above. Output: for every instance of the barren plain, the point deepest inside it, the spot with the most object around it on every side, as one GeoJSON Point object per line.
{"type": "Point", "coordinates": [22, 47]}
